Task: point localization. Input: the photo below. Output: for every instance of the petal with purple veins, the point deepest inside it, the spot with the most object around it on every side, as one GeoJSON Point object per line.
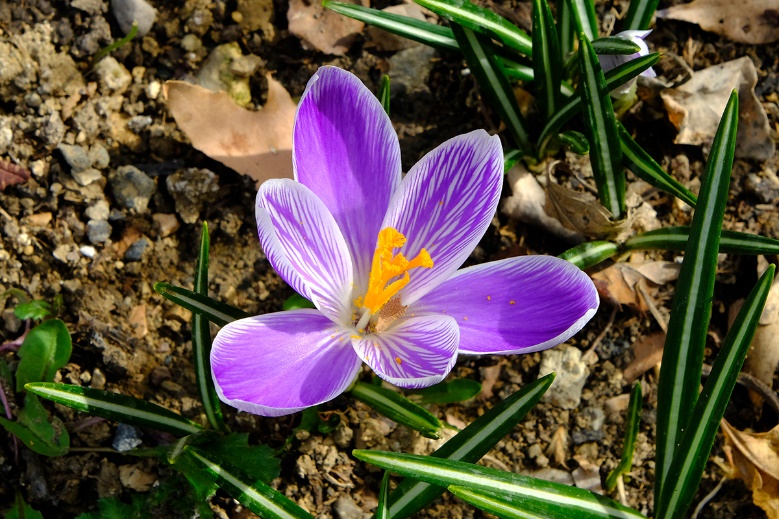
{"type": "Point", "coordinates": [415, 352]}
{"type": "Point", "coordinates": [305, 245]}
{"type": "Point", "coordinates": [346, 151]}
{"type": "Point", "coordinates": [277, 364]}
{"type": "Point", "coordinates": [516, 305]}
{"type": "Point", "coordinates": [445, 205]}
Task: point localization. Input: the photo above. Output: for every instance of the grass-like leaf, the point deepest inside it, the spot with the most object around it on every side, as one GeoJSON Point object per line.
{"type": "Point", "coordinates": [457, 390]}
{"type": "Point", "coordinates": [469, 445]}
{"type": "Point", "coordinates": [584, 19]}
{"type": "Point", "coordinates": [588, 254]}
{"type": "Point", "coordinates": [547, 63]}
{"type": "Point", "coordinates": [113, 406]}
{"type": "Point", "coordinates": [645, 168]}
{"type": "Point", "coordinates": [248, 490]}
{"type": "Point", "coordinates": [398, 408]}
{"type": "Point", "coordinates": [686, 468]}
{"type": "Point", "coordinates": [536, 495]}
{"type": "Point", "coordinates": [575, 141]}
{"type": "Point", "coordinates": [215, 311]}
{"type": "Point", "coordinates": [614, 45]}
{"type": "Point", "coordinates": [730, 242]}
{"type": "Point", "coordinates": [481, 20]}
{"type": "Point", "coordinates": [680, 374]}
{"type": "Point", "coordinates": [631, 431]}
{"type": "Point", "coordinates": [201, 342]}
{"type": "Point", "coordinates": [640, 14]}
{"type": "Point", "coordinates": [521, 72]}
{"type": "Point", "coordinates": [382, 509]}
{"type": "Point", "coordinates": [601, 126]}
{"type": "Point", "coordinates": [428, 33]}
{"type": "Point", "coordinates": [493, 503]}
{"type": "Point", "coordinates": [565, 29]}
{"type": "Point", "coordinates": [487, 69]}
{"type": "Point", "coordinates": [614, 78]}
{"type": "Point", "coordinates": [384, 93]}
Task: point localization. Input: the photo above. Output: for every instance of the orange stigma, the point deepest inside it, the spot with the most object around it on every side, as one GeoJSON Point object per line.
{"type": "Point", "coordinates": [387, 266]}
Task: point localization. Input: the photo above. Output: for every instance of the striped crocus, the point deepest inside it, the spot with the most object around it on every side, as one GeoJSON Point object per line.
{"type": "Point", "coordinates": [378, 255]}
{"type": "Point", "coordinates": [610, 61]}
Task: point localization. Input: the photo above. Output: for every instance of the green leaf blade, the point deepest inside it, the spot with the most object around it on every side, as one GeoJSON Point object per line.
{"type": "Point", "coordinates": [45, 350]}
{"type": "Point", "coordinates": [584, 19]}
{"type": "Point", "coordinates": [731, 242]}
{"type": "Point", "coordinates": [680, 374]}
{"type": "Point", "coordinates": [398, 408]}
{"type": "Point", "coordinates": [40, 434]}
{"type": "Point", "coordinates": [469, 445]}
{"type": "Point", "coordinates": [384, 93]}
{"type": "Point", "coordinates": [114, 406]}
{"type": "Point", "coordinates": [589, 254]}
{"type": "Point", "coordinates": [215, 311]}
{"type": "Point", "coordinates": [640, 13]}
{"type": "Point", "coordinates": [601, 127]}
{"type": "Point", "coordinates": [547, 63]}
{"type": "Point", "coordinates": [631, 431]}
{"type": "Point", "coordinates": [686, 469]}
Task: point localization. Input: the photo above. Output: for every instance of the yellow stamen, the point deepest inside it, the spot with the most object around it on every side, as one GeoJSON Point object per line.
{"type": "Point", "coordinates": [387, 266]}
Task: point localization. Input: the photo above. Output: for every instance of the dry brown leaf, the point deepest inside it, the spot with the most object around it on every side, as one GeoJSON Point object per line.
{"type": "Point", "coordinates": [321, 28]}
{"type": "Point", "coordinates": [11, 174]}
{"type": "Point", "coordinates": [696, 107]}
{"type": "Point", "coordinates": [580, 211]}
{"type": "Point", "coordinates": [489, 376]}
{"type": "Point", "coordinates": [618, 284]}
{"type": "Point", "coordinates": [648, 352]}
{"type": "Point", "coordinates": [257, 144]}
{"type": "Point", "coordinates": [745, 21]}
{"type": "Point", "coordinates": [659, 272]}
{"type": "Point", "coordinates": [756, 461]}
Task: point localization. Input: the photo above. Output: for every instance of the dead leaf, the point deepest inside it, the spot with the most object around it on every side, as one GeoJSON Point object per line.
{"type": "Point", "coordinates": [763, 356]}
{"type": "Point", "coordinates": [321, 28]}
{"type": "Point", "coordinates": [756, 461]}
{"type": "Point", "coordinates": [558, 447]}
{"type": "Point", "coordinates": [257, 144]}
{"type": "Point", "coordinates": [696, 107]}
{"type": "Point", "coordinates": [746, 21]}
{"type": "Point", "coordinates": [659, 272]}
{"type": "Point", "coordinates": [527, 201]}
{"type": "Point", "coordinates": [134, 478]}
{"type": "Point", "coordinates": [648, 352]}
{"type": "Point", "coordinates": [618, 284]}
{"type": "Point", "coordinates": [382, 40]}
{"type": "Point", "coordinates": [489, 376]}
{"type": "Point", "coordinates": [580, 211]}
{"type": "Point", "coordinates": [11, 174]}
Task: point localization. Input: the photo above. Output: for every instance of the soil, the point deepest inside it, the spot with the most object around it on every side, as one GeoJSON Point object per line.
{"type": "Point", "coordinates": [76, 235]}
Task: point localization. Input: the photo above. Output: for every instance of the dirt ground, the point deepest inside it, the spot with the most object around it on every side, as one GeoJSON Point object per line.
{"type": "Point", "coordinates": [75, 234]}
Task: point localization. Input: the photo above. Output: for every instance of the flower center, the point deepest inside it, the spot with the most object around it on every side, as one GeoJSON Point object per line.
{"type": "Point", "coordinates": [387, 266]}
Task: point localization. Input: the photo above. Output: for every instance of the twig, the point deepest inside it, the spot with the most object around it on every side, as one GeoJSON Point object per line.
{"type": "Point", "coordinates": [708, 497]}
{"type": "Point", "coordinates": [758, 386]}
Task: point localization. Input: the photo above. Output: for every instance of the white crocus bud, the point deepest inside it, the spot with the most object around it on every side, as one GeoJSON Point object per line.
{"type": "Point", "coordinates": [610, 61]}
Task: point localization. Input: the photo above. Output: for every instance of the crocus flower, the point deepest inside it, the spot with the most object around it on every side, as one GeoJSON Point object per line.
{"type": "Point", "coordinates": [610, 61]}
{"type": "Point", "coordinates": [378, 255]}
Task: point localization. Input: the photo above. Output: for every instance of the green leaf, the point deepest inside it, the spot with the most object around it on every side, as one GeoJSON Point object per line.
{"type": "Point", "coordinates": [251, 493]}
{"type": "Point", "coordinates": [481, 20]}
{"type": "Point", "coordinates": [565, 29]}
{"type": "Point", "coordinates": [35, 310]}
{"type": "Point", "coordinates": [586, 255]}
{"type": "Point", "coordinates": [382, 509]}
{"type": "Point", "coordinates": [575, 141]}
{"type": "Point", "coordinates": [22, 510]}
{"type": "Point", "coordinates": [731, 242]}
{"type": "Point", "coordinates": [494, 503]}
{"type": "Point", "coordinates": [631, 431]}
{"type": "Point", "coordinates": [384, 93]}
{"type": "Point", "coordinates": [398, 408]}
{"type": "Point", "coordinates": [601, 126]}
{"type": "Point", "coordinates": [33, 428]}
{"type": "Point", "coordinates": [680, 374]}
{"type": "Point", "coordinates": [256, 460]}
{"type": "Point", "coordinates": [510, 159]}
{"type": "Point", "coordinates": [215, 311]}
{"type": "Point", "coordinates": [547, 63]}
{"type": "Point", "coordinates": [428, 33]}
{"type": "Point", "coordinates": [686, 468]}
{"type": "Point", "coordinates": [488, 72]}
{"type": "Point", "coordinates": [469, 445]}
{"type": "Point", "coordinates": [201, 342]}
{"type": "Point", "coordinates": [45, 350]}
{"type": "Point", "coordinates": [544, 497]}
{"type": "Point", "coordinates": [113, 406]}
{"type": "Point", "coordinates": [583, 16]}
{"type": "Point", "coordinates": [640, 14]}
{"type": "Point", "coordinates": [645, 168]}
{"type": "Point", "coordinates": [457, 390]}
{"type": "Point", "coordinates": [296, 301]}
{"type": "Point", "coordinates": [614, 78]}
{"type": "Point", "coordinates": [614, 45]}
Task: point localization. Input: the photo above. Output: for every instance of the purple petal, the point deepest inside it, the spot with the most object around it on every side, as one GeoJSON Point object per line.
{"type": "Point", "coordinates": [346, 151]}
{"type": "Point", "coordinates": [415, 352]}
{"type": "Point", "coordinates": [277, 364]}
{"type": "Point", "coordinates": [305, 246]}
{"type": "Point", "coordinates": [445, 204]}
{"type": "Point", "coordinates": [516, 305]}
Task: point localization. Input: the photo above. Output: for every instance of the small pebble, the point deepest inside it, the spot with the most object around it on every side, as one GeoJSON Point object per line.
{"type": "Point", "coordinates": [166, 224]}
{"type": "Point", "coordinates": [153, 90]}
{"type": "Point", "coordinates": [136, 251]}
{"type": "Point", "coordinates": [132, 188]}
{"type": "Point", "coordinates": [127, 438]}
{"type": "Point", "coordinates": [129, 11]}
{"type": "Point", "coordinates": [86, 177]}
{"type": "Point", "coordinates": [99, 156]}
{"type": "Point", "coordinates": [77, 157]}
{"type": "Point", "coordinates": [98, 211]}
{"type": "Point", "coordinates": [98, 231]}
{"type": "Point", "coordinates": [88, 251]}
{"type": "Point", "coordinates": [139, 122]}
{"type": "Point", "coordinates": [98, 379]}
